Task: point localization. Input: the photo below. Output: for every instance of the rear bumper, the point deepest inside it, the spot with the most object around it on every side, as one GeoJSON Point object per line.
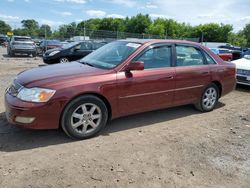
{"type": "Point", "coordinates": [23, 51]}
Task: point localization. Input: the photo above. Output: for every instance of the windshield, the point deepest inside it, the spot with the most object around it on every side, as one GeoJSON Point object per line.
{"type": "Point", "coordinates": [69, 45]}
{"type": "Point", "coordinates": [111, 55]}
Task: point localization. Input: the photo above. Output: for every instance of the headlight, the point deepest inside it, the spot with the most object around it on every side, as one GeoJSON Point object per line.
{"type": "Point", "coordinates": [35, 94]}
{"type": "Point", "coordinates": [53, 53]}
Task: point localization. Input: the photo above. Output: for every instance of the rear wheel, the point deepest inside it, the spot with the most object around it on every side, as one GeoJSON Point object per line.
{"type": "Point", "coordinates": [208, 99]}
{"type": "Point", "coordinates": [64, 60]}
{"type": "Point", "coordinates": [84, 117]}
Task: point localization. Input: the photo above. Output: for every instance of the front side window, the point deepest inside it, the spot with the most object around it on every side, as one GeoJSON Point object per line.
{"type": "Point", "coordinates": [188, 56]}
{"type": "Point", "coordinates": [156, 57]}
{"type": "Point", "coordinates": [85, 46]}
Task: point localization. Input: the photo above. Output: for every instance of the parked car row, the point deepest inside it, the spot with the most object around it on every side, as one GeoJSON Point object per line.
{"type": "Point", "coordinates": [223, 53]}
{"type": "Point", "coordinates": [53, 51]}
{"type": "Point", "coordinates": [228, 52]}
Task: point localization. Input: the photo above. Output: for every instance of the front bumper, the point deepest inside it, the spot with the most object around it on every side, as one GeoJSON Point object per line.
{"type": "Point", "coordinates": [45, 115]}
{"type": "Point", "coordinates": [243, 79]}
{"type": "Point", "coordinates": [50, 59]}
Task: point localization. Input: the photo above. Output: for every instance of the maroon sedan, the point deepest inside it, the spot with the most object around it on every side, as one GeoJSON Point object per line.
{"type": "Point", "coordinates": [121, 78]}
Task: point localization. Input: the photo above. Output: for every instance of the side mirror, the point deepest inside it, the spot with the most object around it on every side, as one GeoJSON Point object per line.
{"type": "Point", "coordinates": [135, 65]}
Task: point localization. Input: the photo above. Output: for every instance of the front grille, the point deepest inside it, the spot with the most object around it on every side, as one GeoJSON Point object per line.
{"type": "Point", "coordinates": [243, 72]}
{"type": "Point", "coordinates": [243, 79]}
{"type": "Point", "coordinates": [14, 88]}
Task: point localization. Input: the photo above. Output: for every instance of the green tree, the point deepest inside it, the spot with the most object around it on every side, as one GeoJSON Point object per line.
{"type": "Point", "coordinates": [45, 30]}
{"type": "Point", "coordinates": [4, 28]}
{"type": "Point", "coordinates": [138, 23]}
{"type": "Point", "coordinates": [237, 39]}
{"type": "Point", "coordinates": [30, 27]}
{"type": "Point", "coordinates": [246, 32]}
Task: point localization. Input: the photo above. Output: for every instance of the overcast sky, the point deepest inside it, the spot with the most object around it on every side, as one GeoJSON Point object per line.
{"type": "Point", "coordinates": [56, 12]}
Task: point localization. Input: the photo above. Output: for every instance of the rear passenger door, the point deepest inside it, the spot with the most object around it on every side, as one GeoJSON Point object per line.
{"type": "Point", "coordinates": [192, 74]}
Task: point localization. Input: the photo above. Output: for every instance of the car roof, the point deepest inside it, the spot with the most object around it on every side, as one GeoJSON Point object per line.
{"type": "Point", "coordinates": [22, 37]}
{"type": "Point", "coordinates": [153, 41]}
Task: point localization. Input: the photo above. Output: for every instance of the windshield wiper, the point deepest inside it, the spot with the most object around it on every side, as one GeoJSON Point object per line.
{"type": "Point", "coordinates": [86, 63]}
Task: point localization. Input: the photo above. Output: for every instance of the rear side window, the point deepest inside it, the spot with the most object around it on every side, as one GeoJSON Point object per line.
{"type": "Point", "coordinates": [188, 56]}
{"type": "Point", "coordinates": [157, 57]}
{"type": "Point", "coordinates": [210, 60]}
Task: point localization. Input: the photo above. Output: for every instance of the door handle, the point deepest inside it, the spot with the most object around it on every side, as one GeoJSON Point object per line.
{"type": "Point", "coordinates": [205, 72]}
{"type": "Point", "coordinates": [169, 77]}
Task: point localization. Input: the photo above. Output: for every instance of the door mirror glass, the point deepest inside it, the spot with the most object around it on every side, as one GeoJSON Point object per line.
{"type": "Point", "coordinates": [135, 65]}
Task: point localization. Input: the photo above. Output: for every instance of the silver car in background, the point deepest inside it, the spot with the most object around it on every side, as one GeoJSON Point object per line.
{"type": "Point", "coordinates": [21, 45]}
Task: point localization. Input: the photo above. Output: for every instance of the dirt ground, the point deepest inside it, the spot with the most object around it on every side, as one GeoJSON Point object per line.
{"type": "Point", "coordinates": [177, 147]}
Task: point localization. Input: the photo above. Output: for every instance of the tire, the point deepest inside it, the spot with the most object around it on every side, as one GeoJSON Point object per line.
{"type": "Point", "coordinates": [33, 54]}
{"type": "Point", "coordinates": [63, 60]}
{"type": "Point", "coordinates": [11, 54]}
{"type": "Point", "coordinates": [76, 121]}
{"type": "Point", "coordinates": [208, 99]}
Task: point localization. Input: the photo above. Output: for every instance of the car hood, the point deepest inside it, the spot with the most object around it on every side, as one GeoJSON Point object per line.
{"type": "Point", "coordinates": [56, 74]}
{"type": "Point", "coordinates": [52, 50]}
{"type": "Point", "coordinates": [242, 63]}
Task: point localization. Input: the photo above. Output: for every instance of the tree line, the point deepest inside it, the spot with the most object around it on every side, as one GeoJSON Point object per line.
{"type": "Point", "coordinates": [143, 24]}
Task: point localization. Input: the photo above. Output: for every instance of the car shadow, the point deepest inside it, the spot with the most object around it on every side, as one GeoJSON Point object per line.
{"type": "Point", "coordinates": [13, 138]}
{"type": "Point", "coordinates": [243, 88]}
{"type": "Point", "coordinates": [17, 56]}
{"type": "Point", "coordinates": [149, 118]}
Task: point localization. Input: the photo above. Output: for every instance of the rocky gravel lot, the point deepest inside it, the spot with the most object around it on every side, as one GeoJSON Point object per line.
{"type": "Point", "coordinates": [176, 147]}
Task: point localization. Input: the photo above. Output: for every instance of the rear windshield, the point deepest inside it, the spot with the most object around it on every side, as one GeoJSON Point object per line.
{"type": "Point", "coordinates": [53, 42]}
{"type": "Point", "coordinates": [224, 51]}
{"type": "Point", "coordinates": [22, 39]}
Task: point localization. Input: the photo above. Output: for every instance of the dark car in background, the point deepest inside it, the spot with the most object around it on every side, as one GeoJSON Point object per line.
{"type": "Point", "coordinates": [45, 45]}
{"type": "Point", "coordinates": [71, 52]}
{"type": "Point", "coordinates": [3, 40]}
{"type": "Point", "coordinates": [21, 45]}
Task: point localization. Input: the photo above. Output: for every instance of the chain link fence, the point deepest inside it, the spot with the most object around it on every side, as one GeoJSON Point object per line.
{"type": "Point", "coordinates": [112, 35]}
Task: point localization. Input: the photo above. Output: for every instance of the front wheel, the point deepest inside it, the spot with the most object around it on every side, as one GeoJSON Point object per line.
{"type": "Point", "coordinates": [84, 117]}
{"type": "Point", "coordinates": [64, 60]}
{"type": "Point", "coordinates": [208, 99]}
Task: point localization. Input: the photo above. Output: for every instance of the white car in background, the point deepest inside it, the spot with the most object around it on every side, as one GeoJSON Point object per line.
{"type": "Point", "coordinates": [243, 70]}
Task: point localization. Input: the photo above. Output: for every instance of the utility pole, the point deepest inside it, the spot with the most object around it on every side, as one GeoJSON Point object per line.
{"type": "Point", "coordinates": [84, 29]}
{"type": "Point", "coordinates": [45, 36]}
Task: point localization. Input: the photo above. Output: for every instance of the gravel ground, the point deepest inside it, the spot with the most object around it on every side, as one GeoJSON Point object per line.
{"type": "Point", "coordinates": [176, 147]}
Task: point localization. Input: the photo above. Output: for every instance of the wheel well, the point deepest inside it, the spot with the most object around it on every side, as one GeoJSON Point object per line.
{"type": "Point", "coordinates": [106, 102]}
{"type": "Point", "coordinates": [218, 84]}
